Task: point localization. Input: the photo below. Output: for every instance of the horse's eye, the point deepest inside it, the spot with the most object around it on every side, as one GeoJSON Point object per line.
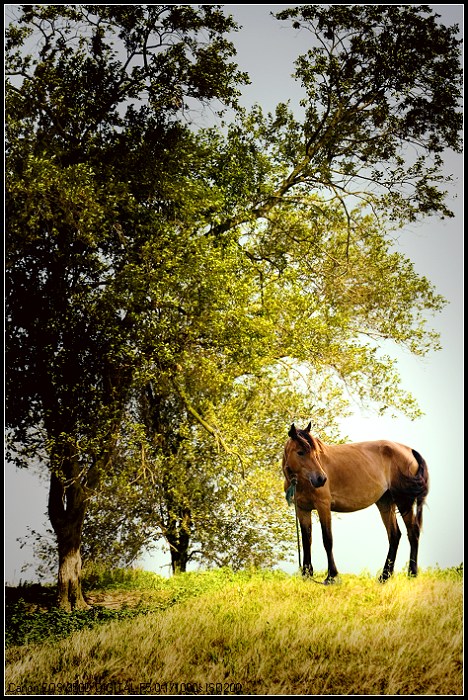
{"type": "Point", "coordinates": [301, 453]}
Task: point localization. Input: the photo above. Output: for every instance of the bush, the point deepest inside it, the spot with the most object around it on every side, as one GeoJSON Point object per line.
{"type": "Point", "coordinates": [25, 626]}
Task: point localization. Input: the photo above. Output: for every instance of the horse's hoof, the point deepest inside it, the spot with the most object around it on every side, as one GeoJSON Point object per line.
{"type": "Point", "coordinates": [330, 580]}
{"type": "Point", "coordinates": [385, 576]}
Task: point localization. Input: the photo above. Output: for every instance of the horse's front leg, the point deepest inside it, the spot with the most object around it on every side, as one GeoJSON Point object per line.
{"type": "Point", "coordinates": [305, 521]}
{"type": "Point", "coordinates": [325, 522]}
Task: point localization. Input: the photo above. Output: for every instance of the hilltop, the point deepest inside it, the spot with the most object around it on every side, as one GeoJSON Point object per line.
{"type": "Point", "coordinates": [257, 632]}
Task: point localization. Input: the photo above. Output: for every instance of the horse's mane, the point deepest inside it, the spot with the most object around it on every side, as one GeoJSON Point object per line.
{"type": "Point", "coordinates": [313, 442]}
{"type": "Point", "coordinates": [320, 446]}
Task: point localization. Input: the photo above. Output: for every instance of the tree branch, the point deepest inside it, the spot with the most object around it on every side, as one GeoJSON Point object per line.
{"type": "Point", "coordinates": [209, 429]}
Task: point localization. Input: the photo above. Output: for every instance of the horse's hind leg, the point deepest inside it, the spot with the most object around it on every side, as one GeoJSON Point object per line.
{"type": "Point", "coordinates": [413, 529]}
{"type": "Point", "coordinates": [386, 506]}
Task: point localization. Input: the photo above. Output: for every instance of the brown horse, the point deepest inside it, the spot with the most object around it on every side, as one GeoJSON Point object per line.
{"type": "Point", "coordinates": [346, 478]}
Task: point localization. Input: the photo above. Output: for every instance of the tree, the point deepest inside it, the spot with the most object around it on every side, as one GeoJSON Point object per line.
{"type": "Point", "coordinates": [208, 503]}
{"type": "Point", "coordinates": [88, 116]}
{"type": "Point", "coordinates": [153, 310]}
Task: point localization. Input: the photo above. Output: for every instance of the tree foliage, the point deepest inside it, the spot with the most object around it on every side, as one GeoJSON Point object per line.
{"type": "Point", "coordinates": [177, 295]}
{"type": "Point", "coordinates": [382, 102]}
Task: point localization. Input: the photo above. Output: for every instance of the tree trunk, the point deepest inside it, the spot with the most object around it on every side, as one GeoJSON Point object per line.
{"type": "Point", "coordinates": [67, 508]}
{"type": "Point", "coordinates": [69, 594]}
{"type": "Point", "coordinates": [178, 561]}
{"type": "Point", "coordinates": [178, 537]}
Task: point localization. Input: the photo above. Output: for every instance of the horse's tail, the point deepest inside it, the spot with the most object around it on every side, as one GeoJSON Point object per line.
{"type": "Point", "coordinates": [421, 486]}
{"type": "Point", "coordinates": [411, 489]}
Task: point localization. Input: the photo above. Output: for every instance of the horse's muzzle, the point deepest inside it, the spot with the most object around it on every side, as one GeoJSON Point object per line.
{"type": "Point", "coordinates": [317, 479]}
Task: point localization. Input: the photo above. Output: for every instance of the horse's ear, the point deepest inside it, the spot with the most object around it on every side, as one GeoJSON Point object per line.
{"type": "Point", "coordinates": [292, 432]}
{"type": "Point", "coordinates": [307, 430]}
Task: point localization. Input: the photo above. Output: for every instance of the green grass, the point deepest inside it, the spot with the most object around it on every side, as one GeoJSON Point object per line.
{"type": "Point", "coordinates": [256, 633]}
{"type": "Point", "coordinates": [31, 615]}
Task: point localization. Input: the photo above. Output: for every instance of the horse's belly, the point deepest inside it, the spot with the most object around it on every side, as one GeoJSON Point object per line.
{"type": "Point", "coordinates": [348, 503]}
{"type": "Point", "coordinates": [348, 508]}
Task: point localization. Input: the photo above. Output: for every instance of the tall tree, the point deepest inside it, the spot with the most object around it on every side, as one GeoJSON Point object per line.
{"type": "Point", "coordinates": [157, 273]}
{"type": "Point", "coordinates": [95, 142]}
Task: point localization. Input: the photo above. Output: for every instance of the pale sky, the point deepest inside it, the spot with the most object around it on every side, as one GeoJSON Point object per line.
{"type": "Point", "coordinates": [266, 49]}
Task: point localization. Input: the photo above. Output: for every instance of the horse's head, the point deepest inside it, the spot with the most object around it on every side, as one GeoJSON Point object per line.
{"type": "Point", "coordinates": [301, 458]}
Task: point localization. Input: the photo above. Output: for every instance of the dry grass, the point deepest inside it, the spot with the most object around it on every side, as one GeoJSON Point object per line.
{"type": "Point", "coordinates": [268, 634]}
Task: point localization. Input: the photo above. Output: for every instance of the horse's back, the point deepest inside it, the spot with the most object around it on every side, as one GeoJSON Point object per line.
{"type": "Point", "coordinates": [385, 454]}
{"type": "Point", "coordinates": [361, 472]}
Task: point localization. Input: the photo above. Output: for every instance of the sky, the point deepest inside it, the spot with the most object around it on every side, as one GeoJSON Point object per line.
{"type": "Point", "coordinates": [267, 50]}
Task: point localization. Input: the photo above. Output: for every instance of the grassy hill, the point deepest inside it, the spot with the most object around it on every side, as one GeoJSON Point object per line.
{"type": "Point", "coordinates": [220, 632]}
